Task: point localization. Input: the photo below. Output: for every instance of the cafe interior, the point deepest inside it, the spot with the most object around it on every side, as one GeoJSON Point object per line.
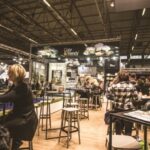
{"type": "Point", "coordinates": [87, 63]}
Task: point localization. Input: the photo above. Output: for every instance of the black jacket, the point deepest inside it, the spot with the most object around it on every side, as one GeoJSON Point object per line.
{"type": "Point", "coordinates": [22, 120]}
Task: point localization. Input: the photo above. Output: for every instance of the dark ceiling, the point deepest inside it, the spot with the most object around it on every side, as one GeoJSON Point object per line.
{"type": "Point", "coordinates": [32, 21]}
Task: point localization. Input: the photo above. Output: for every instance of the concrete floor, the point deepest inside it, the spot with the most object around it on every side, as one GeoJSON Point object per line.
{"type": "Point", "coordinates": [93, 134]}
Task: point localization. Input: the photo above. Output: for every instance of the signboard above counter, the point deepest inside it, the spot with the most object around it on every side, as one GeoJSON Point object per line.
{"type": "Point", "coordinates": [76, 51]}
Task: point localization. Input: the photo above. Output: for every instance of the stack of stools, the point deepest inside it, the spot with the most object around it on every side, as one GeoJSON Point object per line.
{"type": "Point", "coordinates": [84, 108]}
{"type": "Point", "coordinates": [70, 123]}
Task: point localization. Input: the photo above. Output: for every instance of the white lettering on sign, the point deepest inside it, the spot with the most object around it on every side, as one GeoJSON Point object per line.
{"type": "Point", "coordinates": [69, 52]}
{"type": "Point", "coordinates": [136, 57]}
{"type": "Point", "coordinates": [123, 57]}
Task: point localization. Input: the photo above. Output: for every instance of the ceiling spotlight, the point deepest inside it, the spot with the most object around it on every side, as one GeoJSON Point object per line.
{"type": "Point", "coordinates": [14, 59]}
{"type": "Point", "coordinates": [19, 62]}
{"type": "Point", "coordinates": [136, 36]}
{"type": "Point", "coordinates": [88, 59]}
{"type": "Point", "coordinates": [143, 12]}
{"type": "Point", "coordinates": [114, 58]}
{"type": "Point", "coordinates": [66, 60]}
{"type": "Point", "coordinates": [85, 45]}
{"type": "Point", "coordinates": [112, 4]}
{"type": "Point", "coordinates": [73, 31]}
{"type": "Point", "coordinates": [47, 3]}
{"type": "Point", "coordinates": [20, 58]}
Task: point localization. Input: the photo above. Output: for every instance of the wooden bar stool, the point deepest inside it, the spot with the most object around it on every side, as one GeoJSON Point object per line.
{"type": "Point", "coordinates": [124, 142]}
{"type": "Point", "coordinates": [70, 123]}
{"type": "Point", "coordinates": [68, 100]}
{"type": "Point", "coordinates": [45, 114]}
{"type": "Point", "coordinates": [84, 108]}
{"type": "Point", "coordinates": [29, 147]}
{"type": "Point", "coordinates": [96, 102]}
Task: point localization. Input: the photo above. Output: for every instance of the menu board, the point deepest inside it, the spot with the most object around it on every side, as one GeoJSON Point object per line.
{"type": "Point", "coordinates": [142, 115]}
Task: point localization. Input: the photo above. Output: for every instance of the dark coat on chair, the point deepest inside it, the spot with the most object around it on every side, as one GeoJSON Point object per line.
{"type": "Point", "coordinates": [22, 120]}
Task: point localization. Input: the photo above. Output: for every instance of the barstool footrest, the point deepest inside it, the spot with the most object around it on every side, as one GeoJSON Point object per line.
{"type": "Point", "coordinates": [71, 131]}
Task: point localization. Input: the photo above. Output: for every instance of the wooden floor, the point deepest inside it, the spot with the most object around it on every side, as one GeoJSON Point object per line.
{"type": "Point", "coordinates": [93, 134]}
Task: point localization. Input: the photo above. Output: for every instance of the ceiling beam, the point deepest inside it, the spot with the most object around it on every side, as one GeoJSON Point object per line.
{"type": "Point", "coordinates": [119, 29]}
{"type": "Point", "coordinates": [107, 17]}
{"type": "Point", "coordinates": [18, 51]}
{"type": "Point", "coordinates": [82, 19]}
{"type": "Point", "coordinates": [145, 47]}
{"type": "Point", "coordinates": [60, 19]}
{"type": "Point", "coordinates": [28, 18]}
{"type": "Point", "coordinates": [108, 40]}
{"type": "Point", "coordinates": [11, 38]}
{"type": "Point", "coordinates": [17, 33]}
{"type": "Point", "coordinates": [100, 17]}
{"type": "Point", "coordinates": [25, 30]}
{"type": "Point", "coordinates": [60, 3]}
{"type": "Point", "coordinates": [135, 25]}
{"type": "Point", "coordinates": [14, 50]}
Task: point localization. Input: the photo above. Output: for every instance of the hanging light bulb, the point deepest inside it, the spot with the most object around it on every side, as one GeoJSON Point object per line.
{"type": "Point", "coordinates": [20, 59]}
{"type": "Point", "coordinates": [112, 4]}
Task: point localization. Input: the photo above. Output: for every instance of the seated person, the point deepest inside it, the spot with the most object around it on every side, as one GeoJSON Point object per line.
{"type": "Point", "coordinates": [22, 120]}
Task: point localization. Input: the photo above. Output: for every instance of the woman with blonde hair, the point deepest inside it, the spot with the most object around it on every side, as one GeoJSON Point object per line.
{"type": "Point", "coordinates": [22, 120]}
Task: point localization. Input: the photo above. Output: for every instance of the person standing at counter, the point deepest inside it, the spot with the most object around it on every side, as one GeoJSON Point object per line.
{"type": "Point", "coordinates": [22, 120]}
{"type": "Point", "coordinates": [124, 95]}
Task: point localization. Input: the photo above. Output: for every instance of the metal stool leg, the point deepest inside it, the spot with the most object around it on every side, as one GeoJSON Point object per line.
{"type": "Point", "coordinates": [71, 116]}
{"type": "Point", "coordinates": [69, 128]}
{"type": "Point", "coordinates": [78, 127]}
{"type": "Point", "coordinates": [30, 145]}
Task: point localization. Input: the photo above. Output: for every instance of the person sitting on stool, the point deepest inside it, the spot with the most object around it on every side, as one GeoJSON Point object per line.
{"type": "Point", "coordinates": [22, 120]}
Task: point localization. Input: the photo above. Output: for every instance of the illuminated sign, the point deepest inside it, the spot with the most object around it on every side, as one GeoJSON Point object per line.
{"type": "Point", "coordinates": [70, 52]}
